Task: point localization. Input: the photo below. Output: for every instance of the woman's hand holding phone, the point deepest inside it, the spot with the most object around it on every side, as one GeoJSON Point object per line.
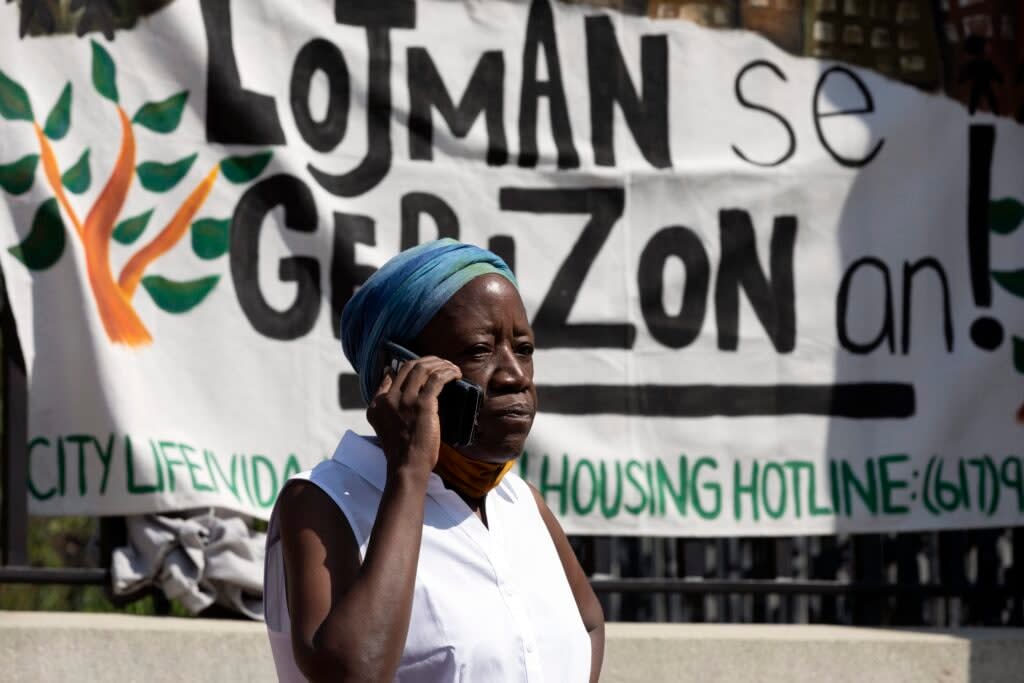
{"type": "Point", "coordinates": [404, 413]}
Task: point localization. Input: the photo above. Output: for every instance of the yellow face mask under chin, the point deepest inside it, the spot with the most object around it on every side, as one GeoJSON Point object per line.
{"type": "Point", "coordinates": [470, 477]}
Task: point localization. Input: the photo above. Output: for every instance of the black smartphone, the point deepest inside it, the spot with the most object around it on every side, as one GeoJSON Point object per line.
{"type": "Point", "coordinates": [457, 405]}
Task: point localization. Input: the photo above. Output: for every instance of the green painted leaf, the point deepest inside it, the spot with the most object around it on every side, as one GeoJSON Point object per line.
{"type": "Point", "coordinates": [45, 241]}
{"type": "Point", "coordinates": [178, 297]}
{"type": "Point", "coordinates": [244, 168]}
{"type": "Point", "coordinates": [78, 178]}
{"type": "Point", "coordinates": [104, 73]}
{"type": "Point", "coordinates": [163, 116]}
{"type": "Point", "coordinates": [17, 177]}
{"type": "Point", "coordinates": [59, 120]}
{"type": "Point", "coordinates": [1005, 215]}
{"type": "Point", "coordinates": [158, 177]}
{"type": "Point", "coordinates": [14, 104]}
{"type": "Point", "coordinates": [210, 237]}
{"type": "Point", "coordinates": [1018, 354]}
{"type": "Point", "coordinates": [129, 230]}
{"type": "Point", "coordinates": [1010, 280]}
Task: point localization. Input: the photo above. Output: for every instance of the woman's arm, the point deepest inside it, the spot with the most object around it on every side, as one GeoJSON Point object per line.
{"type": "Point", "coordinates": [350, 620]}
{"type": "Point", "coordinates": [586, 599]}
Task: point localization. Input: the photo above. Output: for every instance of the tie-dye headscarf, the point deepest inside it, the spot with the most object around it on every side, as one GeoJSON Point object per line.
{"type": "Point", "coordinates": [398, 301]}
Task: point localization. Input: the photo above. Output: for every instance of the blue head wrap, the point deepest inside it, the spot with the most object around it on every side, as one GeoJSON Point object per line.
{"type": "Point", "coordinates": [398, 301]}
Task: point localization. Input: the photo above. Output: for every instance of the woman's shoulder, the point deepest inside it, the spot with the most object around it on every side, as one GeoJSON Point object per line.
{"type": "Point", "coordinates": [349, 479]}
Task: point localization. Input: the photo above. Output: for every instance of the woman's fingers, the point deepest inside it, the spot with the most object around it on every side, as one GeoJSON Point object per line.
{"type": "Point", "coordinates": [428, 370]}
{"type": "Point", "coordinates": [419, 372]}
{"type": "Point", "coordinates": [413, 389]}
{"type": "Point", "coordinates": [403, 372]}
{"type": "Point", "coordinates": [385, 384]}
{"type": "Point", "coordinates": [437, 379]}
{"type": "Point", "coordinates": [404, 410]}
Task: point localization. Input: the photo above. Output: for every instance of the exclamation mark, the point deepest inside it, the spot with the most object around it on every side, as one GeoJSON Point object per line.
{"type": "Point", "coordinates": [986, 331]}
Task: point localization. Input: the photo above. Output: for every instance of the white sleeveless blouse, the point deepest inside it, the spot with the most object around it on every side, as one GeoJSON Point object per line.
{"type": "Point", "coordinates": [490, 603]}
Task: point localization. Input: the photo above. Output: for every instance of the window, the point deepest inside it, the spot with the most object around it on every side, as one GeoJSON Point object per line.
{"type": "Point", "coordinates": [853, 35]}
{"type": "Point", "coordinates": [885, 65]}
{"type": "Point", "coordinates": [912, 63]}
{"type": "Point", "coordinates": [907, 11]}
{"type": "Point", "coordinates": [1006, 28]}
{"type": "Point", "coordinates": [880, 38]}
{"type": "Point", "coordinates": [664, 10]}
{"type": "Point", "coordinates": [824, 32]}
{"type": "Point", "coordinates": [908, 41]}
{"type": "Point", "coordinates": [978, 25]}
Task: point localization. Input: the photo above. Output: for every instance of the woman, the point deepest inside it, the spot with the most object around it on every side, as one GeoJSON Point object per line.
{"type": "Point", "coordinates": [402, 558]}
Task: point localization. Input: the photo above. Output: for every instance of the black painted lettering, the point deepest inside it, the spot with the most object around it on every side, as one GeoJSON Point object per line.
{"type": "Point", "coordinates": [674, 331]}
{"type": "Point", "coordinates": [234, 115]}
{"type": "Point", "coordinates": [540, 35]}
{"type": "Point", "coordinates": [887, 331]}
{"type": "Point", "coordinates": [485, 94]}
{"type": "Point", "coordinates": [867, 108]}
{"type": "Point", "coordinates": [742, 99]}
{"type": "Point", "coordinates": [299, 214]}
{"type": "Point", "coordinates": [376, 13]}
{"type": "Point", "coordinates": [646, 115]}
{"type": "Point", "coordinates": [505, 247]}
{"type": "Point", "coordinates": [604, 205]}
{"type": "Point", "coordinates": [414, 205]}
{"type": "Point", "coordinates": [375, 165]}
{"type": "Point", "coordinates": [346, 274]}
{"type": "Point", "coordinates": [909, 271]}
{"type": "Point", "coordinates": [324, 56]}
{"type": "Point", "coordinates": [773, 302]}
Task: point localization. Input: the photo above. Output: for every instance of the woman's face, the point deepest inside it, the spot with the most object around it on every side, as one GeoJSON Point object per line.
{"type": "Point", "coordinates": [484, 330]}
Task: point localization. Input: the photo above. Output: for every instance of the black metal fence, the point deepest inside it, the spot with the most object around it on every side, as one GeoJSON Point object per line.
{"type": "Point", "coordinates": [947, 578]}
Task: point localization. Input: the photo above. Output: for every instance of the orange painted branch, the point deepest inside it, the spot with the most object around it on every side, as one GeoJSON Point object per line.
{"type": "Point", "coordinates": [132, 272]}
{"type": "Point", "coordinates": [52, 172]}
{"type": "Point", "coordinates": [120, 320]}
{"type": "Point", "coordinates": [100, 221]}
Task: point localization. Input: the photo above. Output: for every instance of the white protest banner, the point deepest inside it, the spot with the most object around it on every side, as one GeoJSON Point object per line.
{"type": "Point", "coordinates": [771, 294]}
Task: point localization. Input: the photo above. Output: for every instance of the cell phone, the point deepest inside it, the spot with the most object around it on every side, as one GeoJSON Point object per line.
{"type": "Point", "coordinates": [457, 405]}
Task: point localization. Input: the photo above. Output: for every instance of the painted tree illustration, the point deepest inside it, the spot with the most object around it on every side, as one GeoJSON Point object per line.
{"type": "Point", "coordinates": [1006, 215]}
{"type": "Point", "coordinates": [45, 243]}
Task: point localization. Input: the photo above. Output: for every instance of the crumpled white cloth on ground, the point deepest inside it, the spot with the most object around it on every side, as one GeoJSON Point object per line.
{"type": "Point", "coordinates": [197, 559]}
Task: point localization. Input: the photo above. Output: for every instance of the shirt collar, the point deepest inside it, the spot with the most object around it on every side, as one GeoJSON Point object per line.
{"type": "Point", "coordinates": [363, 454]}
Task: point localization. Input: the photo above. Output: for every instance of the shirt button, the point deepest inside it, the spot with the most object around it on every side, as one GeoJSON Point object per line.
{"type": "Point", "coordinates": [529, 646]}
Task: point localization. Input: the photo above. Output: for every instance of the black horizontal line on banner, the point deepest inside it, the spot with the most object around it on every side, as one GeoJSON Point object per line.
{"type": "Point", "coordinates": [866, 400]}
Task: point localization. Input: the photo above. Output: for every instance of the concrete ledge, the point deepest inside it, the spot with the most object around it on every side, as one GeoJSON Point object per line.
{"type": "Point", "coordinates": [53, 646]}
{"type": "Point", "coordinates": [62, 646]}
{"type": "Point", "coordinates": [794, 654]}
